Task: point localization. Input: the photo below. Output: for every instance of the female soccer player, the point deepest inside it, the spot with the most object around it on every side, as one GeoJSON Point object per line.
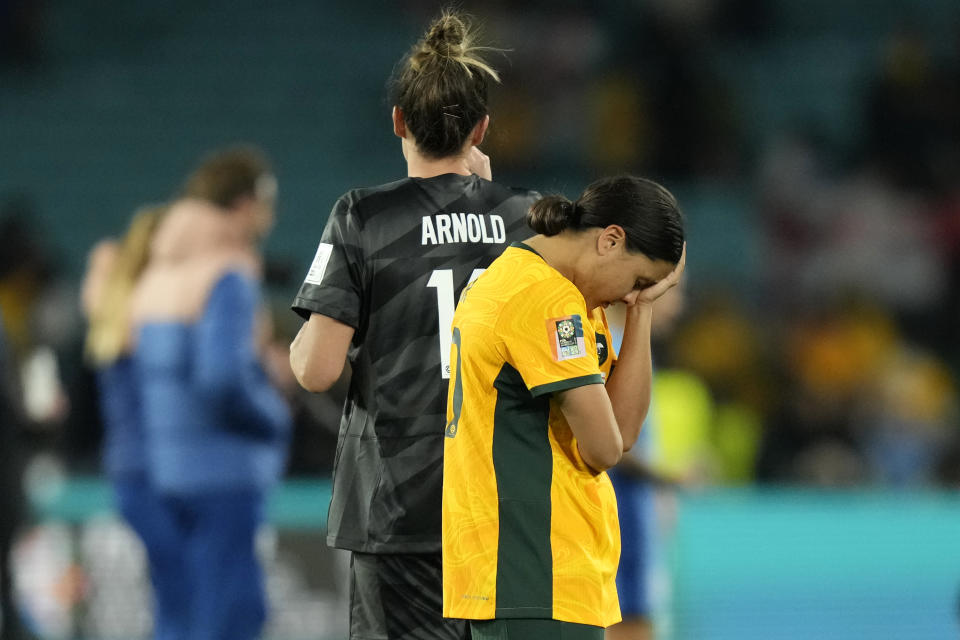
{"type": "Point", "coordinates": [536, 412]}
{"type": "Point", "coordinates": [382, 290]}
{"type": "Point", "coordinates": [112, 274]}
{"type": "Point", "coordinates": [217, 430]}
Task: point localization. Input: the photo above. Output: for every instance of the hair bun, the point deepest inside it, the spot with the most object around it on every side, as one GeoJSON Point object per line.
{"type": "Point", "coordinates": [446, 36]}
{"type": "Point", "coordinates": [551, 214]}
{"type": "Point", "coordinates": [451, 37]}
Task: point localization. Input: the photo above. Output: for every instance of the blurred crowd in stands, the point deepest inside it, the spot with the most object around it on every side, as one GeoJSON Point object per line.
{"type": "Point", "coordinates": [819, 343]}
{"type": "Point", "coordinates": [833, 363]}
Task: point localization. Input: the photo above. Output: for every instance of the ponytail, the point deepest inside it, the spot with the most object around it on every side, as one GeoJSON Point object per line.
{"type": "Point", "coordinates": [552, 214]}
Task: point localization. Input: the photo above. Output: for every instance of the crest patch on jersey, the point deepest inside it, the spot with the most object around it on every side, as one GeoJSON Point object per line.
{"type": "Point", "coordinates": [319, 265]}
{"type": "Point", "coordinates": [566, 337]}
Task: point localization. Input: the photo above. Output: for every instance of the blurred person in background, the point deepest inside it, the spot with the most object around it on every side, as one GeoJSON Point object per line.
{"type": "Point", "coordinates": [902, 111]}
{"type": "Point", "coordinates": [713, 385]}
{"type": "Point", "coordinates": [540, 407]}
{"type": "Point", "coordinates": [11, 495]}
{"type": "Point", "coordinates": [315, 416]}
{"type": "Point", "coordinates": [32, 401]}
{"type": "Point", "coordinates": [217, 429]}
{"type": "Point", "coordinates": [112, 273]}
{"type": "Point", "coordinates": [634, 479]}
{"type": "Point", "coordinates": [36, 316]}
{"type": "Point", "coordinates": [388, 257]}
{"type": "Point", "coordinates": [907, 418]}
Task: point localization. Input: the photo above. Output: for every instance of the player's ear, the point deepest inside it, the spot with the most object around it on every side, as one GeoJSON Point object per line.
{"type": "Point", "coordinates": [399, 125]}
{"type": "Point", "coordinates": [610, 239]}
{"type": "Point", "coordinates": [480, 130]}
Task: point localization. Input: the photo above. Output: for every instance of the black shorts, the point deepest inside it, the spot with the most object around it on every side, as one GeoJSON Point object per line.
{"type": "Point", "coordinates": [399, 597]}
{"type": "Point", "coordinates": [533, 629]}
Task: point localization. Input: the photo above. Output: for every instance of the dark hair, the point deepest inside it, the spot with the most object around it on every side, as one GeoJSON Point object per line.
{"type": "Point", "coordinates": [648, 213]}
{"type": "Point", "coordinates": [441, 86]}
{"type": "Point", "coordinates": [227, 175]}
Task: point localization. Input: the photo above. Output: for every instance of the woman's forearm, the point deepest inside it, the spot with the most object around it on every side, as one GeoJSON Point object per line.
{"type": "Point", "coordinates": [630, 381]}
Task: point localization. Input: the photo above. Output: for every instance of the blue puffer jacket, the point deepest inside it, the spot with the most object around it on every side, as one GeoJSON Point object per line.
{"type": "Point", "coordinates": [124, 449]}
{"type": "Point", "coordinates": [212, 419]}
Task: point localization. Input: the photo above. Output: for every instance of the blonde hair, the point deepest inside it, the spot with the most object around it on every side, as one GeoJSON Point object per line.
{"type": "Point", "coordinates": [108, 336]}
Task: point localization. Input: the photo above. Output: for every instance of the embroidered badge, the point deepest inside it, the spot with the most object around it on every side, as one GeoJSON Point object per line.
{"type": "Point", "coordinates": [566, 337]}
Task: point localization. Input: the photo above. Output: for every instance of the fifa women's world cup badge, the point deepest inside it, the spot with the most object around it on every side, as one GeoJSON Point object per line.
{"type": "Point", "coordinates": [566, 337]}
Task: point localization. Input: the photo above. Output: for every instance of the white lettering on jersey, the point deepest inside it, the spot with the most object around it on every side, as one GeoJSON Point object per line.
{"type": "Point", "coordinates": [473, 227]}
{"type": "Point", "coordinates": [319, 265]}
{"type": "Point", "coordinates": [427, 234]}
{"type": "Point", "coordinates": [459, 226]}
{"type": "Point", "coordinates": [499, 230]}
{"type": "Point", "coordinates": [443, 228]}
{"type": "Point", "coordinates": [453, 228]}
{"type": "Point", "coordinates": [486, 237]}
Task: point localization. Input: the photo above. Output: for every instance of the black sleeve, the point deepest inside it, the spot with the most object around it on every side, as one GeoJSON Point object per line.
{"type": "Point", "coordinates": [334, 283]}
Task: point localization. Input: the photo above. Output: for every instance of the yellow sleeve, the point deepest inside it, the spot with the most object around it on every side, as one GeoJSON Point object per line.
{"type": "Point", "coordinates": [547, 335]}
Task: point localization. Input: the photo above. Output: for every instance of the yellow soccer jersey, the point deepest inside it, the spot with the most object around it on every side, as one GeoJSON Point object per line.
{"type": "Point", "coordinates": [529, 530]}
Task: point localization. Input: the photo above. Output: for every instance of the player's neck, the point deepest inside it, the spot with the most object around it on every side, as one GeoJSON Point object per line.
{"type": "Point", "coordinates": [558, 251]}
{"type": "Point", "coordinates": [420, 166]}
{"type": "Point", "coordinates": [564, 252]}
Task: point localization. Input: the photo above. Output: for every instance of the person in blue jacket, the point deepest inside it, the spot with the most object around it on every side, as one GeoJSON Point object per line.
{"type": "Point", "coordinates": [112, 273]}
{"type": "Point", "coordinates": [217, 429]}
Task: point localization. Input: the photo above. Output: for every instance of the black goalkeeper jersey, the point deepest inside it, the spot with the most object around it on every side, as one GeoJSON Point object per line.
{"type": "Point", "coordinates": [391, 263]}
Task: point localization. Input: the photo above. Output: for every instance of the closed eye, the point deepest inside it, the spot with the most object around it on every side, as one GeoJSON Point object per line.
{"type": "Point", "coordinates": [643, 283]}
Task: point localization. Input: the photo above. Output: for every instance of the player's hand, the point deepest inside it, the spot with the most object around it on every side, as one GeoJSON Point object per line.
{"type": "Point", "coordinates": [650, 294]}
{"type": "Point", "coordinates": [479, 163]}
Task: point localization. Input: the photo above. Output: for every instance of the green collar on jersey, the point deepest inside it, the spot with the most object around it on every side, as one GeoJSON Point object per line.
{"type": "Point", "coordinates": [521, 245]}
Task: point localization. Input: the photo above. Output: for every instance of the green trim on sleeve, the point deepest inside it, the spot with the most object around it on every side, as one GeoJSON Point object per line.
{"type": "Point", "coordinates": [569, 383]}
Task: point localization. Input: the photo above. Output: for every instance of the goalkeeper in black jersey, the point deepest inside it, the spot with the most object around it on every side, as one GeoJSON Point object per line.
{"type": "Point", "coordinates": [381, 291]}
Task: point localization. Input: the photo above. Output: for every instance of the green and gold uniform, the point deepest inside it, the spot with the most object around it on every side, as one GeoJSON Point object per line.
{"type": "Point", "coordinates": [529, 529]}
